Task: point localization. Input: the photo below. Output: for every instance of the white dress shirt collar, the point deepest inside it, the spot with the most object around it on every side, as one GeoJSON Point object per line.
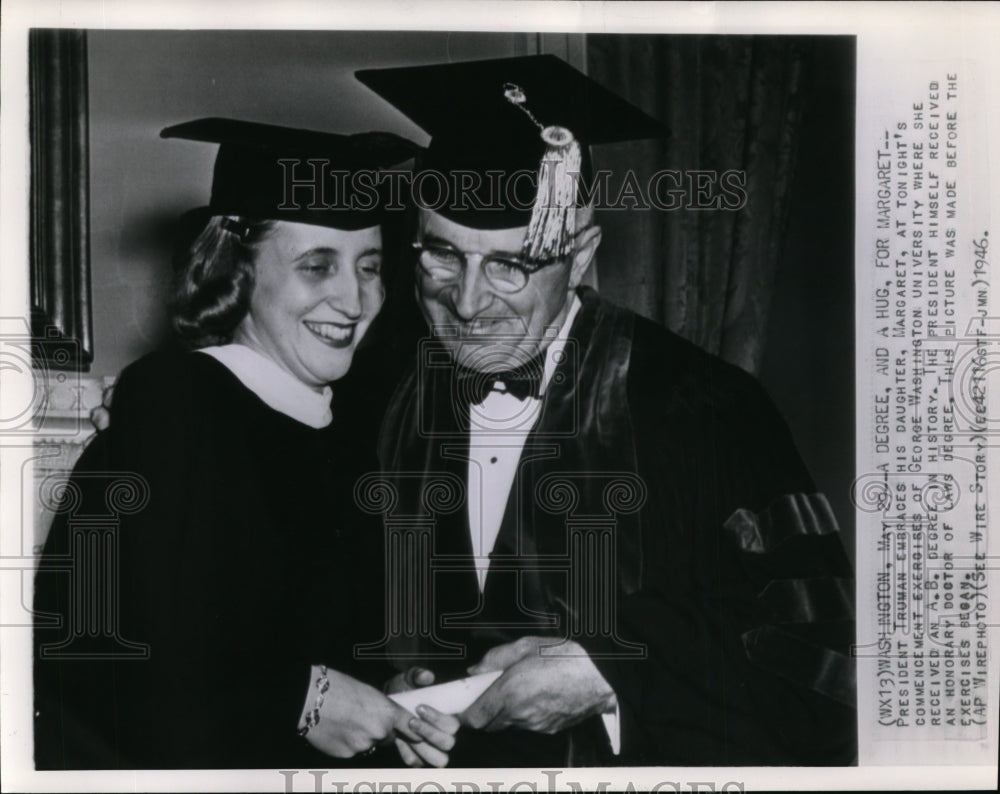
{"type": "Point", "coordinates": [553, 354]}
{"type": "Point", "coordinates": [503, 413]}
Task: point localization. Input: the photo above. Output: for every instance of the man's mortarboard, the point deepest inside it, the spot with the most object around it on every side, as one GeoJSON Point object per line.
{"type": "Point", "coordinates": [266, 171]}
{"type": "Point", "coordinates": [506, 118]}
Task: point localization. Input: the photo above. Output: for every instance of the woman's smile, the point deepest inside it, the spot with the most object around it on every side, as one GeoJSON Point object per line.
{"type": "Point", "coordinates": [332, 334]}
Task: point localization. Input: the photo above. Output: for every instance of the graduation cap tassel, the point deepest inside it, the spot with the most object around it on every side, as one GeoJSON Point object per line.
{"type": "Point", "coordinates": [553, 218]}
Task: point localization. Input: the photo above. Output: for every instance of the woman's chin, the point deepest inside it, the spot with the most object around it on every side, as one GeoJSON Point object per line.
{"type": "Point", "coordinates": [326, 363]}
{"type": "Point", "coordinates": [316, 374]}
{"type": "Point", "coordinates": [335, 371]}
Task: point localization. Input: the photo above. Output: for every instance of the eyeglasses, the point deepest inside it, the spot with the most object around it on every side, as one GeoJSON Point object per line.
{"type": "Point", "coordinates": [505, 273]}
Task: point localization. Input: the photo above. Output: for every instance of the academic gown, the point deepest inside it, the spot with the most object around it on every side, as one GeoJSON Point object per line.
{"type": "Point", "coordinates": [219, 542]}
{"type": "Point", "coordinates": [662, 518]}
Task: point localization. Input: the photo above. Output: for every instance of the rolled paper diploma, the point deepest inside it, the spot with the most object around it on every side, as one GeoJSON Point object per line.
{"type": "Point", "coordinates": [452, 697]}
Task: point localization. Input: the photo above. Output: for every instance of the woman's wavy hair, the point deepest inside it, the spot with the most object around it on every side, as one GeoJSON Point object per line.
{"type": "Point", "coordinates": [214, 276]}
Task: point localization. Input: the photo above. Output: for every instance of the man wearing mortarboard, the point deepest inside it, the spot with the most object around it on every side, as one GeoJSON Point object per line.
{"type": "Point", "coordinates": [634, 542]}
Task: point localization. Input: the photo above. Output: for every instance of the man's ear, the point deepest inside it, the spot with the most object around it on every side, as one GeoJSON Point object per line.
{"type": "Point", "coordinates": [586, 248]}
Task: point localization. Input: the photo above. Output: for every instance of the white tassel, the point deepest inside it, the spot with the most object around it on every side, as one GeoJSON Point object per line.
{"type": "Point", "coordinates": [553, 218]}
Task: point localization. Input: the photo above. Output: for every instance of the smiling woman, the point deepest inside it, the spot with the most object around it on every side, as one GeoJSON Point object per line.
{"type": "Point", "coordinates": [279, 288]}
{"type": "Point", "coordinates": [234, 575]}
{"type": "Point", "coordinates": [314, 299]}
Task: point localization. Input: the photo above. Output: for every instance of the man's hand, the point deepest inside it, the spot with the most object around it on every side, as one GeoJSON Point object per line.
{"type": "Point", "coordinates": [355, 717]}
{"type": "Point", "coordinates": [545, 694]}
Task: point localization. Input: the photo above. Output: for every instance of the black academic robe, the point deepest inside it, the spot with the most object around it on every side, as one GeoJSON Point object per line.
{"type": "Point", "coordinates": [658, 499]}
{"type": "Point", "coordinates": [204, 557]}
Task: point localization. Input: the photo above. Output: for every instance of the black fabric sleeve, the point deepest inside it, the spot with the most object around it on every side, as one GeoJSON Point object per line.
{"type": "Point", "coordinates": [708, 442]}
{"type": "Point", "coordinates": [199, 579]}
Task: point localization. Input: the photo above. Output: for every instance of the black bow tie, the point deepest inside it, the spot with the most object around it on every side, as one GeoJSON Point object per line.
{"type": "Point", "coordinates": [525, 381]}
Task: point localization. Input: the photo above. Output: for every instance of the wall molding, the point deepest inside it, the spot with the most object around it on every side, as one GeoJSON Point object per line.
{"type": "Point", "coordinates": [61, 319]}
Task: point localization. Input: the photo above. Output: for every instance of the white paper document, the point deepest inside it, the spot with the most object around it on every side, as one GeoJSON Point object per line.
{"type": "Point", "coordinates": [452, 697]}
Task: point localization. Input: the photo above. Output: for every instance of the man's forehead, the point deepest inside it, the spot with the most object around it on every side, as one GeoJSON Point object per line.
{"type": "Point", "coordinates": [469, 237]}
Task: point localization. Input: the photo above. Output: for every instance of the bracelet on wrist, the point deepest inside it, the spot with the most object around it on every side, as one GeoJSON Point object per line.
{"type": "Point", "coordinates": [312, 716]}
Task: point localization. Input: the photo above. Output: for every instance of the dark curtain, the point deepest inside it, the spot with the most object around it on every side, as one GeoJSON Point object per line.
{"type": "Point", "coordinates": [731, 103]}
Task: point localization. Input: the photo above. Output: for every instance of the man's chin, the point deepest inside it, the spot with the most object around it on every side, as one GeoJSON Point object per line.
{"type": "Point", "coordinates": [491, 356]}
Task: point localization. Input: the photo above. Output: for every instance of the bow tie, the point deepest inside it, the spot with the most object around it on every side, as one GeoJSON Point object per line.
{"type": "Point", "coordinates": [472, 386]}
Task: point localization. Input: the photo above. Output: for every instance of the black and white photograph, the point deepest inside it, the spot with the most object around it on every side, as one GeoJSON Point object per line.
{"type": "Point", "coordinates": [392, 401]}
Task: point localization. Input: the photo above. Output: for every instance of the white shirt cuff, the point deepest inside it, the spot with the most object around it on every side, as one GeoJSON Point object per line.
{"type": "Point", "coordinates": [612, 724]}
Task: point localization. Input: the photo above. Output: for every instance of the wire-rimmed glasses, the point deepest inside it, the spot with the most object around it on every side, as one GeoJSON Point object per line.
{"type": "Point", "coordinates": [505, 272]}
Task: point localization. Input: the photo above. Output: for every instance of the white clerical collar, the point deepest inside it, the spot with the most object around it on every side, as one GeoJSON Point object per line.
{"type": "Point", "coordinates": [276, 386]}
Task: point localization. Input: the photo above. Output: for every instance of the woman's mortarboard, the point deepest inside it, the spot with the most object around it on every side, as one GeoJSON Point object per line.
{"type": "Point", "coordinates": [266, 171]}
{"type": "Point", "coordinates": [498, 121]}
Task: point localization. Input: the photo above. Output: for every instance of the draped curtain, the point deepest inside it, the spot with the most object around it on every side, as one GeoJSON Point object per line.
{"type": "Point", "coordinates": [731, 103]}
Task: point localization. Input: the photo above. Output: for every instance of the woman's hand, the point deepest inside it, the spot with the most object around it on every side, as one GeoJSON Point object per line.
{"type": "Point", "coordinates": [413, 678]}
{"type": "Point", "coordinates": [355, 718]}
{"type": "Point", "coordinates": [434, 750]}
{"type": "Point", "coordinates": [438, 732]}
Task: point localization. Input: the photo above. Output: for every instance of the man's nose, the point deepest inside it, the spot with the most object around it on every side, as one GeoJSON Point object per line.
{"type": "Point", "coordinates": [472, 292]}
{"type": "Point", "coordinates": [344, 293]}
